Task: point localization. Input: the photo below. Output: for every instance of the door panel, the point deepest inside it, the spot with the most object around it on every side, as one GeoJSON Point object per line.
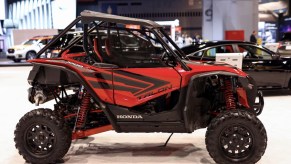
{"type": "Point", "coordinates": [267, 73]}
{"type": "Point", "coordinates": [134, 86]}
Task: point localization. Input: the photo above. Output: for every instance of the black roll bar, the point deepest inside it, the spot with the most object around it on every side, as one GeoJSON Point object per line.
{"type": "Point", "coordinates": [56, 38]}
{"type": "Point", "coordinates": [174, 44]}
{"type": "Point", "coordinates": [177, 57]}
{"type": "Point", "coordinates": [85, 38]}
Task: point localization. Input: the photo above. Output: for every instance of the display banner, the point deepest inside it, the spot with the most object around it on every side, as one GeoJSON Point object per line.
{"type": "Point", "coordinates": [207, 17]}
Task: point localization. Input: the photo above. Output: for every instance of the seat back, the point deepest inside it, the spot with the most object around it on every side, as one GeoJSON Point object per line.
{"type": "Point", "coordinates": [96, 49]}
{"type": "Point", "coordinates": [108, 47]}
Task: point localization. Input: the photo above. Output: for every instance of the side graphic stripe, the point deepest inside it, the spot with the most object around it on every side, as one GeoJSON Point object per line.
{"type": "Point", "coordinates": [130, 82]}
{"type": "Point", "coordinates": [156, 83]}
{"type": "Point", "coordinates": [102, 85]}
{"type": "Point", "coordinates": [123, 80]}
{"type": "Point", "coordinates": [141, 85]}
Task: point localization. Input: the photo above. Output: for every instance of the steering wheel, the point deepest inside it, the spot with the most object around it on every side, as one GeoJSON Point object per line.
{"type": "Point", "coordinates": [164, 56]}
{"type": "Point", "coordinates": [168, 60]}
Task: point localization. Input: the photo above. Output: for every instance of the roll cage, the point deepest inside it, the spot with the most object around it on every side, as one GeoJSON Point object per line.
{"type": "Point", "coordinates": [94, 21]}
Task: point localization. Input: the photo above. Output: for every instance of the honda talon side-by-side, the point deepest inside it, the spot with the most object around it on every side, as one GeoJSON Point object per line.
{"type": "Point", "coordinates": [111, 77]}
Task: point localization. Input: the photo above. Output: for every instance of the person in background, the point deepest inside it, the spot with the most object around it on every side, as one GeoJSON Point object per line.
{"type": "Point", "coordinates": [188, 40]}
{"type": "Point", "coordinates": [197, 38]}
{"type": "Point", "coordinates": [269, 37]}
{"type": "Point", "coordinates": [179, 40]}
{"type": "Point", "coordinates": [253, 37]}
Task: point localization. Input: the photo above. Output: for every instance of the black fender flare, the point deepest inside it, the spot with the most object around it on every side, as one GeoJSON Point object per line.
{"type": "Point", "coordinates": [191, 115]}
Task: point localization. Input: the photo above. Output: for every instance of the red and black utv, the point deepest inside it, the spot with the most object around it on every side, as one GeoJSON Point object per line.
{"type": "Point", "coordinates": [136, 80]}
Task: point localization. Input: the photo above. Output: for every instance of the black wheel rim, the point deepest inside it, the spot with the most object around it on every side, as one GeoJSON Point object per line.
{"type": "Point", "coordinates": [236, 142]}
{"type": "Point", "coordinates": [40, 139]}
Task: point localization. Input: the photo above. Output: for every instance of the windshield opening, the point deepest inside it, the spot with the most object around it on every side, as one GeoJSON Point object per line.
{"type": "Point", "coordinates": [30, 42]}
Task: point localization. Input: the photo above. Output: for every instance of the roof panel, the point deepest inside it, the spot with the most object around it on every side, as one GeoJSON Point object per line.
{"type": "Point", "coordinates": [92, 15]}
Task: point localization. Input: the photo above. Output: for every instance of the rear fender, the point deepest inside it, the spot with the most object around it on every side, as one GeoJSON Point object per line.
{"type": "Point", "coordinates": [48, 74]}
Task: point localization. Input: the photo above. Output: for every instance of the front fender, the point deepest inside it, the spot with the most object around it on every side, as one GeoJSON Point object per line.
{"type": "Point", "coordinates": [198, 101]}
{"type": "Point", "coordinates": [197, 105]}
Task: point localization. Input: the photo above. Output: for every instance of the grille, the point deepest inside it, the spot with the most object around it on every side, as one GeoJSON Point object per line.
{"type": "Point", "coordinates": [10, 50]}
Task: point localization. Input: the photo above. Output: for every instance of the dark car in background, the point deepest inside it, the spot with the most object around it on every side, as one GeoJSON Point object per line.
{"type": "Point", "coordinates": [270, 70]}
{"type": "Point", "coordinates": [284, 48]}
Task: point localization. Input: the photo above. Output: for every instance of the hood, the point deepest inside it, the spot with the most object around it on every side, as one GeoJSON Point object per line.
{"type": "Point", "coordinates": [211, 66]}
{"type": "Point", "coordinates": [17, 47]}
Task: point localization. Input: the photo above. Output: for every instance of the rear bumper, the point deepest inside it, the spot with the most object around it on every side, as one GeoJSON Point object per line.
{"type": "Point", "coordinates": [258, 106]}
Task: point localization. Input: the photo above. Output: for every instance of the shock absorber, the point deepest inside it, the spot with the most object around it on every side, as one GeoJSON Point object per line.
{"type": "Point", "coordinates": [83, 109]}
{"type": "Point", "coordinates": [228, 94]}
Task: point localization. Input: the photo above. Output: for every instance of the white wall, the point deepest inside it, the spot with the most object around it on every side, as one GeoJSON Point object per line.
{"type": "Point", "coordinates": [63, 12]}
{"type": "Point", "coordinates": [20, 36]}
{"type": "Point", "coordinates": [2, 9]}
{"type": "Point", "coordinates": [229, 15]}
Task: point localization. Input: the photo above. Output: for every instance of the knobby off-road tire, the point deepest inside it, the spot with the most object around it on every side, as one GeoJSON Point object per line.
{"type": "Point", "coordinates": [41, 137]}
{"type": "Point", "coordinates": [236, 136]}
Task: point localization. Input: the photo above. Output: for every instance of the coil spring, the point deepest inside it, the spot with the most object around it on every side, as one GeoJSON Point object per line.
{"type": "Point", "coordinates": [229, 98]}
{"type": "Point", "coordinates": [84, 107]}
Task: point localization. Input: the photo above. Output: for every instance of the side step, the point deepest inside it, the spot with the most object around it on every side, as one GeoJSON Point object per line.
{"type": "Point", "coordinates": [167, 127]}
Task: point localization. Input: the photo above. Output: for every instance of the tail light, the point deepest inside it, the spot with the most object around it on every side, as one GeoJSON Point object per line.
{"type": "Point", "coordinates": [280, 44]}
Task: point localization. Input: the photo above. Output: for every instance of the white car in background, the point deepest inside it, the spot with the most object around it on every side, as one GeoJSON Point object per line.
{"type": "Point", "coordinates": [28, 49]}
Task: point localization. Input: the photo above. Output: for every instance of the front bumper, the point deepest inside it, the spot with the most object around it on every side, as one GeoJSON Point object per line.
{"type": "Point", "coordinates": [10, 57]}
{"type": "Point", "coordinates": [258, 106]}
{"type": "Point", "coordinates": [255, 97]}
{"type": "Point", "coordinates": [17, 54]}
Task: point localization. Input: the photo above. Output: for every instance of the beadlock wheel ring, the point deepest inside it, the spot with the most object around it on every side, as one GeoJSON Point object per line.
{"type": "Point", "coordinates": [40, 139]}
{"type": "Point", "coordinates": [236, 141]}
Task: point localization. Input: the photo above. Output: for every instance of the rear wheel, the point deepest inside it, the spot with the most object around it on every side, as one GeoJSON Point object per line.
{"type": "Point", "coordinates": [41, 137]}
{"type": "Point", "coordinates": [236, 136]}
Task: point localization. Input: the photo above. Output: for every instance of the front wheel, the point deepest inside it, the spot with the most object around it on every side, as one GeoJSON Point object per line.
{"type": "Point", "coordinates": [236, 136]}
{"type": "Point", "coordinates": [41, 137]}
{"type": "Point", "coordinates": [30, 55]}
